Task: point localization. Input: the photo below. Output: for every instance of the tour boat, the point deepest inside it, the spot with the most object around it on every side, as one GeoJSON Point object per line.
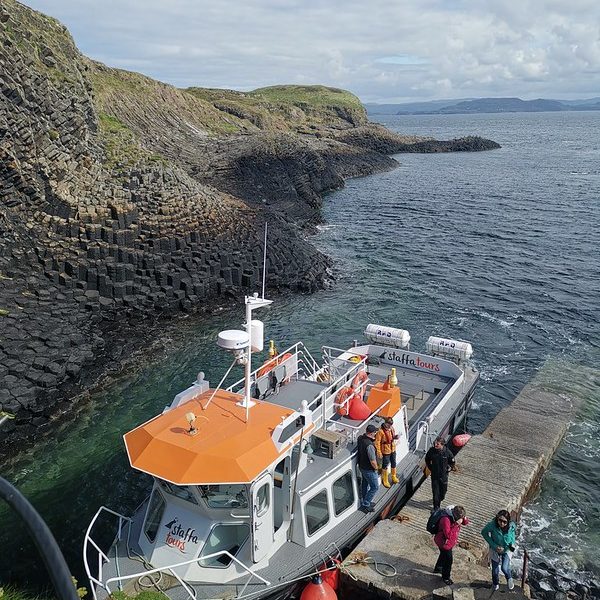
{"type": "Point", "coordinates": [256, 486]}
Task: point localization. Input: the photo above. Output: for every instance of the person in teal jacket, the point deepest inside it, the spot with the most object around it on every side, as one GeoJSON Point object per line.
{"type": "Point", "coordinates": [500, 536]}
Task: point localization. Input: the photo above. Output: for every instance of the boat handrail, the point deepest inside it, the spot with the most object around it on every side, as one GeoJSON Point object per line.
{"type": "Point", "coordinates": [102, 558]}
{"type": "Point", "coordinates": [326, 399]}
{"type": "Point", "coordinates": [298, 349]}
{"type": "Point", "coordinates": [355, 428]}
{"type": "Point", "coordinates": [170, 568]}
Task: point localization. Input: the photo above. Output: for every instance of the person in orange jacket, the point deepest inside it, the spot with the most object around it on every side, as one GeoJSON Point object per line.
{"type": "Point", "coordinates": [385, 446]}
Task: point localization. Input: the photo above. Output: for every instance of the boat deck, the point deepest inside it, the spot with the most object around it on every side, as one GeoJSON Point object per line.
{"type": "Point", "coordinates": [417, 388]}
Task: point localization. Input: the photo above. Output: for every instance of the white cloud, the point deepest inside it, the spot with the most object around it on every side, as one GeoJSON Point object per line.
{"type": "Point", "coordinates": [381, 50]}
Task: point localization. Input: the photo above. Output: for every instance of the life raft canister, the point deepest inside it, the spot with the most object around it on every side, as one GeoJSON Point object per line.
{"type": "Point", "coordinates": [458, 441]}
{"type": "Point", "coordinates": [343, 400]}
{"type": "Point", "coordinates": [317, 589]}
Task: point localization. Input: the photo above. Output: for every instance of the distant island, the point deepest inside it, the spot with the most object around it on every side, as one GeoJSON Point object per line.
{"type": "Point", "coordinates": [481, 105]}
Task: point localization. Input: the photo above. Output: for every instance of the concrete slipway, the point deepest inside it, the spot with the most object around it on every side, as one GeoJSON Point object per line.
{"type": "Point", "coordinates": [501, 468]}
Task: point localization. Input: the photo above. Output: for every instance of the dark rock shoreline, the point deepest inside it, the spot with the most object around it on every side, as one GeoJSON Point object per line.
{"type": "Point", "coordinates": [126, 203]}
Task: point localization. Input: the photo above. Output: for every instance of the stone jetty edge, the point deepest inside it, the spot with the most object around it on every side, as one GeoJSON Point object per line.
{"type": "Point", "coordinates": [126, 203]}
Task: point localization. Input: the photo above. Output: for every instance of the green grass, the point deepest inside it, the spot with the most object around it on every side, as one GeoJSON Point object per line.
{"type": "Point", "coordinates": [121, 145]}
{"type": "Point", "coordinates": [12, 593]}
{"type": "Point", "coordinates": [276, 107]}
{"type": "Point", "coordinates": [312, 95]}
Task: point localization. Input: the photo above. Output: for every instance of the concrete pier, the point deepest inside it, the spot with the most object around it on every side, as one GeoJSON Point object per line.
{"type": "Point", "coordinates": [500, 468]}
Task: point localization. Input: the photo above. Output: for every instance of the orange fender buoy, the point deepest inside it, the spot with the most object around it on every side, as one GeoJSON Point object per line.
{"type": "Point", "coordinates": [317, 589]}
{"type": "Point", "coordinates": [458, 441]}
{"type": "Point", "coordinates": [332, 575]}
{"type": "Point", "coordinates": [343, 400]}
{"type": "Point", "coordinates": [360, 379]}
{"type": "Point", "coordinates": [358, 409]}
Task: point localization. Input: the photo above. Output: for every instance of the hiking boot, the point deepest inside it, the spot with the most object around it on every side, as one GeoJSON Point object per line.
{"type": "Point", "coordinates": [511, 583]}
{"type": "Point", "coordinates": [448, 581]}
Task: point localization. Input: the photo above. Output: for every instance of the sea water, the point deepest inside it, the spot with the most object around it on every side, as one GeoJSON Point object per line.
{"type": "Point", "coordinates": [500, 248]}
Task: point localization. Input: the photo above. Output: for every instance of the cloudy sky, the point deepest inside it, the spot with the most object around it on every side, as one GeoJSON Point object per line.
{"type": "Point", "coordinates": [382, 50]}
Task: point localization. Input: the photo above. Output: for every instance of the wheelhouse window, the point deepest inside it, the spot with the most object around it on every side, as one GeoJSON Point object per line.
{"type": "Point", "coordinates": [229, 538]}
{"type": "Point", "coordinates": [181, 491]}
{"type": "Point", "coordinates": [316, 512]}
{"type": "Point", "coordinates": [343, 493]}
{"type": "Point", "coordinates": [263, 499]}
{"type": "Point", "coordinates": [154, 515]}
{"type": "Point", "coordinates": [224, 496]}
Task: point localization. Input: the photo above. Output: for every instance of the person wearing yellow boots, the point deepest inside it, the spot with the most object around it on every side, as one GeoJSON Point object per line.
{"type": "Point", "coordinates": [385, 445]}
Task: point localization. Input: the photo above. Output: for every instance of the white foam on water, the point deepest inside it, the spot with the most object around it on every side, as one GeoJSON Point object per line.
{"type": "Point", "coordinates": [491, 372]}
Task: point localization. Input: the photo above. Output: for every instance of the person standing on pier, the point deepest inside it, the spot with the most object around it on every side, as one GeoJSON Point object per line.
{"type": "Point", "coordinates": [499, 533]}
{"type": "Point", "coordinates": [439, 461]}
{"type": "Point", "coordinates": [367, 462]}
{"type": "Point", "coordinates": [446, 538]}
{"type": "Point", "coordinates": [385, 444]}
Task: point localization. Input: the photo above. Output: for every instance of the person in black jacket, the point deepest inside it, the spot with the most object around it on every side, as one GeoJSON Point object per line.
{"type": "Point", "coordinates": [367, 462]}
{"type": "Point", "coordinates": [439, 461]}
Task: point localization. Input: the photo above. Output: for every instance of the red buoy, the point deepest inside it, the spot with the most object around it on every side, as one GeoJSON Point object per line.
{"type": "Point", "coordinates": [317, 589]}
{"type": "Point", "coordinates": [358, 409]}
{"type": "Point", "coordinates": [332, 575]}
{"type": "Point", "coordinates": [458, 441]}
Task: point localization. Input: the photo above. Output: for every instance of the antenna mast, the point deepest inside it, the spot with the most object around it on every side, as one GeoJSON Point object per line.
{"type": "Point", "coordinates": [264, 262]}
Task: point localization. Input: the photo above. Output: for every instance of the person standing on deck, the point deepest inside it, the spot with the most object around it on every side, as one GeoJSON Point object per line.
{"type": "Point", "coordinates": [439, 461]}
{"type": "Point", "coordinates": [446, 538]}
{"type": "Point", "coordinates": [500, 536]}
{"type": "Point", "coordinates": [385, 444]}
{"type": "Point", "coordinates": [367, 462]}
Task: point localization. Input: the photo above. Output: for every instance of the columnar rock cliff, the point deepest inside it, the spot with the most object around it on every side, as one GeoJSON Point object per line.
{"type": "Point", "coordinates": [123, 199]}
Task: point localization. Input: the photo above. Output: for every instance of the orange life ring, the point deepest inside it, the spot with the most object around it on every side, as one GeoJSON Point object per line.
{"type": "Point", "coordinates": [267, 366]}
{"type": "Point", "coordinates": [342, 400]}
{"type": "Point", "coordinates": [359, 379]}
{"type": "Point", "coordinates": [271, 363]}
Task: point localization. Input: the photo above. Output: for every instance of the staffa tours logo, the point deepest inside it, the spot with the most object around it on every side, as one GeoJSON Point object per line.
{"type": "Point", "coordinates": [177, 537]}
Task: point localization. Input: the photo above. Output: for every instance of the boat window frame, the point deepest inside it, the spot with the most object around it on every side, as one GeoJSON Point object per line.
{"type": "Point", "coordinates": [325, 491]}
{"type": "Point", "coordinates": [265, 501]}
{"type": "Point", "coordinates": [220, 524]}
{"type": "Point", "coordinates": [158, 492]}
{"type": "Point", "coordinates": [167, 487]}
{"type": "Point", "coordinates": [205, 496]}
{"type": "Point", "coordinates": [347, 473]}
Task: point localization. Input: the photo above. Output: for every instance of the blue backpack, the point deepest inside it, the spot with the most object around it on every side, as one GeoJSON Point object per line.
{"type": "Point", "coordinates": [434, 519]}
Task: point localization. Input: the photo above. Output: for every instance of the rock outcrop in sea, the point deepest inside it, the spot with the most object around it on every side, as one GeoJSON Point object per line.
{"type": "Point", "coordinates": [124, 200]}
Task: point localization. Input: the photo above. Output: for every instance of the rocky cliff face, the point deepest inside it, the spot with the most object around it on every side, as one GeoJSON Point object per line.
{"type": "Point", "coordinates": [123, 199]}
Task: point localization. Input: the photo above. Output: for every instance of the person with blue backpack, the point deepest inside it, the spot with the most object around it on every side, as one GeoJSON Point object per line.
{"type": "Point", "coordinates": [499, 533]}
{"type": "Point", "coordinates": [445, 524]}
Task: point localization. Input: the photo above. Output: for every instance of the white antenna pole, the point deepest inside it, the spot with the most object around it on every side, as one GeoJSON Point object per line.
{"type": "Point", "coordinates": [248, 365]}
{"type": "Point", "coordinates": [264, 263]}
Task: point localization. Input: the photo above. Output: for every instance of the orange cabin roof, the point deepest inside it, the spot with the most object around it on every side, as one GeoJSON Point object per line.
{"type": "Point", "coordinates": [225, 449]}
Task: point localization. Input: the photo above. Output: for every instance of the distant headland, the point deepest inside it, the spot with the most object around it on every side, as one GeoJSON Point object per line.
{"type": "Point", "coordinates": [481, 105]}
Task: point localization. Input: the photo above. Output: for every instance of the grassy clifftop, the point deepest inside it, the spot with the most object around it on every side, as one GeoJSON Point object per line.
{"type": "Point", "coordinates": [294, 108]}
